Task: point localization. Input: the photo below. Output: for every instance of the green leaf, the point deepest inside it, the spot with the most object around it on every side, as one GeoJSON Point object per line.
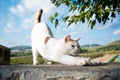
{"type": "Point", "coordinates": [67, 2]}
{"type": "Point", "coordinates": [108, 10]}
{"type": "Point", "coordinates": [83, 18]}
{"type": "Point", "coordinates": [73, 7]}
{"type": "Point", "coordinates": [56, 14]}
{"type": "Point", "coordinates": [88, 14]}
{"type": "Point", "coordinates": [56, 23]}
{"type": "Point", "coordinates": [83, 8]}
{"type": "Point", "coordinates": [53, 1]}
{"type": "Point", "coordinates": [65, 18]}
{"type": "Point", "coordinates": [51, 18]}
{"type": "Point", "coordinates": [70, 22]}
{"type": "Point", "coordinates": [113, 15]}
{"type": "Point", "coordinates": [93, 24]}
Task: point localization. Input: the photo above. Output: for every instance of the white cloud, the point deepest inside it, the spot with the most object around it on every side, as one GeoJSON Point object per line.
{"type": "Point", "coordinates": [27, 23]}
{"type": "Point", "coordinates": [20, 8]}
{"type": "Point", "coordinates": [75, 30]}
{"type": "Point", "coordinates": [28, 36]}
{"type": "Point", "coordinates": [13, 10]}
{"type": "Point", "coordinates": [26, 9]}
{"type": "Point", "coordinates": [17, 10]}
{"type": "Point", "coordinates": [32, 5]}
{"type": "Point", "coordinates": [9, 28]}
{"type": "Point", "coordinates": [2, 42]}
{"type": "Point", "coordinates": [116, 32]}
{"type": "Point", "coordinates": [5, 42]}
{"type": "Point", "coordinates": [100, 26]}
{"type": "Point", "coordinates": [11, 43]}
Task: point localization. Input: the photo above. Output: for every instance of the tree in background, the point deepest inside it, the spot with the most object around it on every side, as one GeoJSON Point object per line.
{"type": "Point", "coordinates": [91, 11]}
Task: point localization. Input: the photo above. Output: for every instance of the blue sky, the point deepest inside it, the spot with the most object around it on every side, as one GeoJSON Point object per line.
{"type": "Point", "coordinates": [17, 20]}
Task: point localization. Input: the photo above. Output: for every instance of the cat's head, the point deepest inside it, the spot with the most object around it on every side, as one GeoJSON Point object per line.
{"type": "Point", "coordinates": [72, 46]}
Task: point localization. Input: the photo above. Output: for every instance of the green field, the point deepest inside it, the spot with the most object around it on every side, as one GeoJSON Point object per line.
{"type": "Point", "coordinates": [24, 60]}
{"type": "Point", "coordinates": [99, 54]}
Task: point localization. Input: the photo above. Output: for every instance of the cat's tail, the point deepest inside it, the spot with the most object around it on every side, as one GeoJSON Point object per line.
{"type": "Point", "coordinates": [38, 16]}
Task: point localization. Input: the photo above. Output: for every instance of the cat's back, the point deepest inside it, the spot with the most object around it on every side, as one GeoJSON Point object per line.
{"type": "Point", "coordinates": [40, 27]}
{"type": "Point", "coordinates": [41, 30]}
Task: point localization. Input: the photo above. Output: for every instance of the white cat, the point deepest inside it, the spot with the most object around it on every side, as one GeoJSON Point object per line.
{"type": "Point", "coordinates": [57, 50]}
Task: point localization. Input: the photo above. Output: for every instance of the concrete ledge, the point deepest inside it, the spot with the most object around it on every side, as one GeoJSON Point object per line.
{"type": "Point", "coordinates": [60, 72]}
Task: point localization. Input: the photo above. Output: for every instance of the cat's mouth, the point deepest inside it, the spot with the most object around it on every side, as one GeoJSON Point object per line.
{"type": "Point", "coordinates": [76, 53]}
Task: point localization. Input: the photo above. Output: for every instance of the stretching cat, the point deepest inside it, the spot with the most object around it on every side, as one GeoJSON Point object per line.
{"type": "Point", "coordinates": [57, 50]}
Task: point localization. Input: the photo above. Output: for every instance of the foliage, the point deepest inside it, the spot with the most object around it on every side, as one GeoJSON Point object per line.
{"type": "Point", "coordinates": [91, 11]}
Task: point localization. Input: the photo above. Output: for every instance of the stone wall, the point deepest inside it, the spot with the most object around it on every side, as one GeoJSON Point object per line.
{"type": "Point", "coordinates": [60, 72]}
{"type": "Point", "coordinates": [4, 55]}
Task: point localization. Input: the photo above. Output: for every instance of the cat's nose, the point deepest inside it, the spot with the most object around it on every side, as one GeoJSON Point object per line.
{"type": "Point", "coordinates": [79, 51]}
{"type": "Point", "coordinates": [76, 53]}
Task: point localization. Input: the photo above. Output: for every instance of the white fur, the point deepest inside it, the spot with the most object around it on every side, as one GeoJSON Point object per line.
{"type": "Point", "coordinates": [54, 50]}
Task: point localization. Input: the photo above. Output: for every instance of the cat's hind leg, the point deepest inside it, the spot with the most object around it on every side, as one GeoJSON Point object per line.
{"type": "Point", "coordinates": [48, 62]}
{"type": "Point", "coordinates": [35, 56]}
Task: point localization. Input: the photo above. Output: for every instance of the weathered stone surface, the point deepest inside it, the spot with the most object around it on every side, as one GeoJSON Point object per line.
{"type": "Point", "coordinates": [60, 72]}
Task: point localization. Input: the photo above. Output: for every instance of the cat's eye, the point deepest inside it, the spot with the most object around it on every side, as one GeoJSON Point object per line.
{"type": "Point", "coordinates": [73, 46]}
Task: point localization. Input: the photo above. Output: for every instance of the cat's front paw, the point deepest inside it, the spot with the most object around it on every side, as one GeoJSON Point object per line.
{"type": "Point", "coordinates": [84, 61]}
{"type": "Point", "coordinates": [94, 62]}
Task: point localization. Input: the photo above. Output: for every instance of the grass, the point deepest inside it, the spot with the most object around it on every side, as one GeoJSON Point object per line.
{"type": "Point", "coordinates": [24, 60]}
{"type": "Point", "coordinates": [92, 55]}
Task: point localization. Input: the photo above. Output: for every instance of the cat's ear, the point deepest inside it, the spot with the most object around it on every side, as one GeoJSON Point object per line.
{"type": "Point", "coordinates": [67, 38]}
{"type": "Point", "coordinates": [78, 39]}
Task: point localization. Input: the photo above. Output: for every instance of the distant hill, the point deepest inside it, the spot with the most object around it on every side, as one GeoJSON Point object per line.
{"type": "Point", "coordinates": [90, 46]}
{"type": "Point", "coordinates": [115, 45]}
{"type": "Point", "coordinates": [21, 48]}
